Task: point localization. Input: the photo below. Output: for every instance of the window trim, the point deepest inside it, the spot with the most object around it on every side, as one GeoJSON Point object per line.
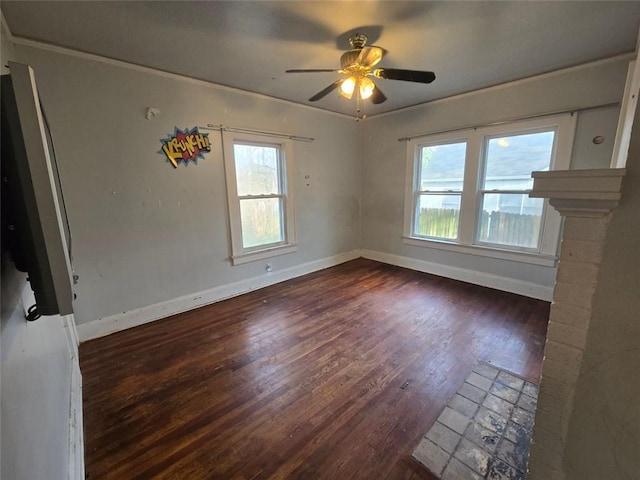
{"type": "Point", "coordinates": [412, 171]}
{"type": "Point", "coordinates": [240, 254]}
{"type": "Point", "coordinates": [417, 184]}
{"type": "Point", "coordinates": [468, 241]}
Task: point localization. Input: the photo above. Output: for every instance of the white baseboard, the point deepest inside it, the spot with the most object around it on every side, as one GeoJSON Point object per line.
{"type": "Point", "coordinates": [122, 321]}
{"type": "Point", "coordinates": [69, 324]}
{"type": "Point", "coordinates": [115, 323]}
{"type": "Point", "coordinates": [520, 287]}
{"type": "Point", "coordinates": [76, 432]}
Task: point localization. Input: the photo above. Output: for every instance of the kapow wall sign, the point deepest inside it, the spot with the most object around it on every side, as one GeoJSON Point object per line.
{"type": "Point", "coordinates": [185, 145]}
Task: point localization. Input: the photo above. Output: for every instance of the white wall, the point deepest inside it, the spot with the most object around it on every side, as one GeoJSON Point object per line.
{"type": "Point", "coordinates": [37, 367]}
{"type": "Point", "coordinates": [144, 232]}
{"type": "Point", "coordinates": [39, 361]}
{"type": "Point", "coordinates": [384, 159]}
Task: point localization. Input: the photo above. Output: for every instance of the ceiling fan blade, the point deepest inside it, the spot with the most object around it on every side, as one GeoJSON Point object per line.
{"type": "Point", "coordinates": [326, 91]}
{"type": "Point", "coordinates": [370, 56]}
{"type": "Point", "coordinates": [406, 75]}
{"type": "Point", "coordinates": [317, 70]}
{"type": "Point", "coordinates": [377, 96]}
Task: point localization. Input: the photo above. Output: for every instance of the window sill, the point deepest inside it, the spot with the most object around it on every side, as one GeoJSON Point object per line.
{"type": "Point", "coordinates": [484, 251]}
{"type": "Point", "coordinates": [262, 254]}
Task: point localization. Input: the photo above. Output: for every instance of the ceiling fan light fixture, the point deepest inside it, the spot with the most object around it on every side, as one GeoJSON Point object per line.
{"type": "Point", "coordinates": [348, 86]}
{"type": "Point", "coordinates": [357, 65]}
{"type": "Point", "coordinates": [366, 87]}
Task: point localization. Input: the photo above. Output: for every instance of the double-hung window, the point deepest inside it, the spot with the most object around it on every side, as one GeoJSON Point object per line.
{"type": "Point", "coordinates": [258, 171]}
{"type": "Point", "coordinates": [438, 181]}
{"type": "Point", "coordinates": [468, 191]}
{"type": "Point", "coordinates": [508, 217]}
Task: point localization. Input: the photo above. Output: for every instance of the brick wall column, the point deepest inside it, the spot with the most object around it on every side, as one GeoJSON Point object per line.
{"type": "Point", "coordinates": [585, 199]}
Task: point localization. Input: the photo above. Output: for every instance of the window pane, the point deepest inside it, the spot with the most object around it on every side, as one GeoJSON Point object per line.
{"type": "Point", "coordinates": [510, 160]}
{"type": "Point", "coordinates": [256, 169]}
{"type": "Point", "coordinates": [442, 167]}
{"type": "Point", "coordinates": [261, 221]}
{"type": "Point", "coordinates": [438, 216]}
{"type": "Point", "coordinates": [510, 219]}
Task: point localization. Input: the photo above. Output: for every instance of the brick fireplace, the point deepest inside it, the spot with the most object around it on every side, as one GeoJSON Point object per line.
{"type": "Point", "coordinates": [588, 416]}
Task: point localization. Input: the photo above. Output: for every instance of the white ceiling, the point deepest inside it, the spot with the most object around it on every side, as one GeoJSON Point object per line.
{"type": "Point", "coordinates": [249, 44]}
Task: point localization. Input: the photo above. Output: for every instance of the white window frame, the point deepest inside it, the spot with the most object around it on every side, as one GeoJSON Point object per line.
{"type": "Point", "coordinates": [416, 192]}
{"type": "Point", "coordinates": [240, 254]}
{"type": "Point", "coordinates": [476, 139]}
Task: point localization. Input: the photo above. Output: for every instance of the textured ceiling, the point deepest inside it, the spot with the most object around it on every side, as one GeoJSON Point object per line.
{"type": "Point", "coordinates": [249, 44]}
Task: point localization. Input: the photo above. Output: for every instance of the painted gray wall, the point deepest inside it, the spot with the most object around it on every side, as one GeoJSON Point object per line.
{"type": "Point", "coordinates": [384, 158]}
{"type": "Point", "coordinates": [591, 124]}
{"type": "Point", "coordinates": [605, 422]}
{"type": "Point", "coordinates": [35, 378]}
{"type": "Point", "coordinates": [144, 232]}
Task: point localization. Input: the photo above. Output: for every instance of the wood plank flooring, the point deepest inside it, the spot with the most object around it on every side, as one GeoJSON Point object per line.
{"type": "Point", "coordinates": [334, 375]}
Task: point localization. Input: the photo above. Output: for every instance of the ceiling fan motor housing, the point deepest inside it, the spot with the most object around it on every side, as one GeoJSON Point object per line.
{"type": "Point", "coordinates": [358, 40]}
{"type": "Point", "coordinates": [350, 57]}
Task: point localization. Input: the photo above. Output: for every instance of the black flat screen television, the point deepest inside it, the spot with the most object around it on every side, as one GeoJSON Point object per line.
{"type": "Point", "coordinates": [34, 225]}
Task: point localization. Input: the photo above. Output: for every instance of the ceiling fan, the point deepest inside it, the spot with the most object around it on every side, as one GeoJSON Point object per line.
{"type": "Point", "coordinates": [357, 66]}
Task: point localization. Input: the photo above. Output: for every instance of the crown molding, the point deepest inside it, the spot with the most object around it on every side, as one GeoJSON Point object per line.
{"type": "Point", "coordinates": [27, 42]}
{"type": "Point", "coordinates": [623, 57]}
{"type": "Point", "coordinates": [17, 40]}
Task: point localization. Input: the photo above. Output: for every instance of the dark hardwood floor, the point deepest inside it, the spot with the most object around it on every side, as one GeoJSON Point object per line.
{"type": "Point", "coordinates": [334, 375]}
